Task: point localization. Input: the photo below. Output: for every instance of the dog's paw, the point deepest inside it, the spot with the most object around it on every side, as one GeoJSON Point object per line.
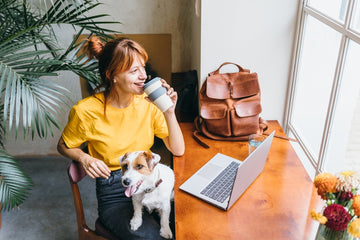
{"type": "Point", "coordinates": [166, 233]}
{"type": "Point", "coordinates": [135, 223]}
{"type": "Point", "coordinates": [150, 211]}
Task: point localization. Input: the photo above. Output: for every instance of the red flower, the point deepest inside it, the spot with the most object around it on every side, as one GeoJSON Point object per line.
{"type": "Point", "coordinates": [345, 196]}
{"type": "Point", "coordinates": [338, 217]}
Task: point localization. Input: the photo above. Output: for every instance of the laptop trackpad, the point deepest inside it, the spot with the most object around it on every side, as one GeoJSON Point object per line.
{"type": "Point", "coordinates": [210, 171]}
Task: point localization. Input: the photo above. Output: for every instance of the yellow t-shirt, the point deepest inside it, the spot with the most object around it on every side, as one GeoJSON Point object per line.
{"type": "Point", "coordinates": [125, 130]}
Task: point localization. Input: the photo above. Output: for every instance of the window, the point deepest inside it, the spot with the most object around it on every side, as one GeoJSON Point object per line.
{"type": "Point", "coordinates": [323, 111]}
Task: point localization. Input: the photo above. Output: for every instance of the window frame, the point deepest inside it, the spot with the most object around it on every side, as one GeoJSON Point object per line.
{"type": "Point", "coordinates": [318, 162]}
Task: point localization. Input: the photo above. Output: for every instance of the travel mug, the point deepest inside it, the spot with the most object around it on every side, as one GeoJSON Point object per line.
{"type": "Point", "coordinates": [157, 93]}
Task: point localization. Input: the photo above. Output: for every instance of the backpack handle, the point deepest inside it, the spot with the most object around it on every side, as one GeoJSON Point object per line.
{"type": "Point", "coordinates": [227, 63]}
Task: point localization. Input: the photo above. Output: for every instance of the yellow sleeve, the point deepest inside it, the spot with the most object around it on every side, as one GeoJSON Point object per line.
{"type": "Point", "coordinates": [160, 127]}
{"type": "Point", "coordinates": [74, 133]}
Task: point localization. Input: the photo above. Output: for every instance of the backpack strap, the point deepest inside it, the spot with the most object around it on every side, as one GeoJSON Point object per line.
{"type": "Point", "coordinates": [263, 125]}
{"type": "Point", "coordinates": [197, 133]}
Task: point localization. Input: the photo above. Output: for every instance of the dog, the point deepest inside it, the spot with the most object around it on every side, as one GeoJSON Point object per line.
{"type": "Point", "coordinates": [150, 184]}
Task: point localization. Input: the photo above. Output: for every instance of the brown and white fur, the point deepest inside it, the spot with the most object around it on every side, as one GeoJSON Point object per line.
{"type": "Point", "coordinates": [150, 184]}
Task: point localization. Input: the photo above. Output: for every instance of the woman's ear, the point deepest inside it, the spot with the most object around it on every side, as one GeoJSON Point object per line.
{"type": "Point", "coordinates": [108, 76]}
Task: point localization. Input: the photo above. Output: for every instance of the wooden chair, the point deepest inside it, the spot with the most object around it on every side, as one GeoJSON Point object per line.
{"type": "Point", "coordinates": [76, 173]}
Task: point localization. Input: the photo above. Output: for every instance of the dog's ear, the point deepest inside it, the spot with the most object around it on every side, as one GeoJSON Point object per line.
{"type": "Point", "coordinates": [123, 165]}
{"type": "Point", "coordinates": [123, 157]}
{"type": "Point", "coordinates": [152, 159]}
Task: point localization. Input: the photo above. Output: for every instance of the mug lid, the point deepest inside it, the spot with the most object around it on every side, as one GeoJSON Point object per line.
{"type": "Point", "coordinates": [151, 82]}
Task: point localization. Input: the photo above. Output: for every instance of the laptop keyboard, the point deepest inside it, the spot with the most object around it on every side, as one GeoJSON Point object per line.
{"type": "Point", "coordinates": [220, 188]}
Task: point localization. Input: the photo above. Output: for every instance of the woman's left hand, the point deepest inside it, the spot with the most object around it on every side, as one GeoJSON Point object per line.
{"type": "Point", "coordinates": [172, 94]}
{"type": "Point", "coordinates": [175, 141]}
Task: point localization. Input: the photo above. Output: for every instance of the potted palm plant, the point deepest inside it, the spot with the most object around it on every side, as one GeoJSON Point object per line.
{"type": "Point", "coordinates": [30, 57]}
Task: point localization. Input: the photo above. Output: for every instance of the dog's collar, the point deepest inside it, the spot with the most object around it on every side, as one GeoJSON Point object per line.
{"type": "Point", "coordinates": [149, 190]}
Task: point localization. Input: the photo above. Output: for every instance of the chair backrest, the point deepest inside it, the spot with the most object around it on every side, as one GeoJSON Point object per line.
{"type": "Point", "coordinates": [76, 173]}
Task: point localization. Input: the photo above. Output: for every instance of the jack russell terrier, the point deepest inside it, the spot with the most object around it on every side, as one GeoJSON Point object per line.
{"type": "Point", "coordinates": [150, 184]}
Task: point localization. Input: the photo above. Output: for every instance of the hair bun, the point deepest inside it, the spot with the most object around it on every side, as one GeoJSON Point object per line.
{"type": "Point", "coordinates": [94, 47]}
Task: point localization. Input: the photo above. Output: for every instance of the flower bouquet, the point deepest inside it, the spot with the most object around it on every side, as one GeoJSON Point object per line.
{"type": "Point", "coordinates": [340, 218]}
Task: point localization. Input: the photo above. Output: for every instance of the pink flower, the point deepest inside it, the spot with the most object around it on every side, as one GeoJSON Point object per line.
{"type": "Point", "coordinates": [338, 217]}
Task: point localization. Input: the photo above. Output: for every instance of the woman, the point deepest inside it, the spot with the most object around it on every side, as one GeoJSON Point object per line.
{"type": "Point", "coordinates": [117, 119]}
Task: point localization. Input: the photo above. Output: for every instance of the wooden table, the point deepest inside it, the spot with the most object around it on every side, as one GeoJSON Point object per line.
{"type": "Point", "coordinates": [276, 206]}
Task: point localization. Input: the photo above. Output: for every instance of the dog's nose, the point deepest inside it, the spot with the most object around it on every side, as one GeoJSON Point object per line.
{"type": "Point", "coordinates": [126, 182]}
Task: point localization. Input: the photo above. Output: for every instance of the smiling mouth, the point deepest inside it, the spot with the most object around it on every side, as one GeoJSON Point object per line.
{"type": "Point", "coordinates": [141, 85]}
{"type": "Point", "coordinates": [130, 190]}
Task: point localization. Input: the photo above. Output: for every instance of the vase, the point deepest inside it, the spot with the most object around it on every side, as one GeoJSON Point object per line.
{"type": "Point", "coordinates": [325, 233]}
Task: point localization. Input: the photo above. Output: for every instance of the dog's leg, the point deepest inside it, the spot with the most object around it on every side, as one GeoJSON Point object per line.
{"type": "Point", "coordinates": [136, 220]}
{"type": "Point", "coordinates": [165, 230]}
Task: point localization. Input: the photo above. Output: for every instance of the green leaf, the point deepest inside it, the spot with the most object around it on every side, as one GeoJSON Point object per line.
{"type": "Point", "coordinates": [15, 184]}
{"type": "Point", "coordinates": [29, 55]}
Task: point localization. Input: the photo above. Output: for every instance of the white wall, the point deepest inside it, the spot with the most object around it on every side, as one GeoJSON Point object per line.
{"type": "Point", "coordinates": [258, 35]}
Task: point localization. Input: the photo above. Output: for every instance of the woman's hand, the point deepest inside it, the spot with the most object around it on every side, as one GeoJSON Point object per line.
{"type": "Point", "coordinates": [172, 94]}
{"type": "Point", "coordinates": [94, 167]}
{"type": "Point", "coordinates": [175, 141]}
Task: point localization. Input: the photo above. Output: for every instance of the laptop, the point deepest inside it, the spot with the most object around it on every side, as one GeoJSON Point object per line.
{"type": "Point", "coordinates": [223, 179]}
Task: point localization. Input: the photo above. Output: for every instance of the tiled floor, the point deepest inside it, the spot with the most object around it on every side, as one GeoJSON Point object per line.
{"type": "Point", "coordinates": [49, 211]}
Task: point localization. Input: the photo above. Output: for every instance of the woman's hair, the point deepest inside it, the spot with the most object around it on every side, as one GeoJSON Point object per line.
{"type": "Point", "coordinates": [115, 56]}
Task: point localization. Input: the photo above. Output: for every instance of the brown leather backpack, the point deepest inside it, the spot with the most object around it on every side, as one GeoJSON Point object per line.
{"type": "Point", "coordinates": [229, 106]}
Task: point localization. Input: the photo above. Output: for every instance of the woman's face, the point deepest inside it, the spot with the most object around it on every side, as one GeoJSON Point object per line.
{"type": "Point", "coordinates": [132, 80]}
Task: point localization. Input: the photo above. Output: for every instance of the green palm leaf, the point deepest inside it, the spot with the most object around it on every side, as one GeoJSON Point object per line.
{"type": "Point", "coordinates": [38, 97]}
{"type": "Point", "coordinates": [15, 184]}
{"type": "Point", "coordinates": [79, 63]}
{"type": "Point", "coordinates": [29, 57]}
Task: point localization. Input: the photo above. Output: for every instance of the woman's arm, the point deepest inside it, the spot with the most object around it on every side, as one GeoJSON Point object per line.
{"type": "Point", "coordinates": [175, 141]}
{"type": "Point", "coordinates": [92, 166]}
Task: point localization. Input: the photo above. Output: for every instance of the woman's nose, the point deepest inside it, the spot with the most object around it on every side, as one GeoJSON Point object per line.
{"type": "Point", "coordinates": [143, 73]}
